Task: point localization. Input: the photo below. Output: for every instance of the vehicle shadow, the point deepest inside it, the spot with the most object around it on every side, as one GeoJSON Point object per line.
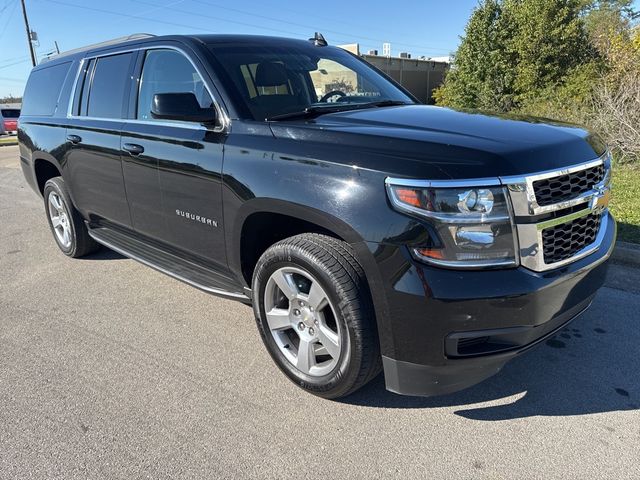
{"type": "Point", "coordinates": [104, 254]}
{"type": "Point", "coordinates": [628, 232]}
{"type": "Point", "coordinates": [589, 367]}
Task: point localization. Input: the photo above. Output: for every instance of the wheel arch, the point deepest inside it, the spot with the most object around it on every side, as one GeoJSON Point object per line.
{"type": "Point", "coordinates": [282, 219]}
{"type": "Point", "coordinates": [45, 167]}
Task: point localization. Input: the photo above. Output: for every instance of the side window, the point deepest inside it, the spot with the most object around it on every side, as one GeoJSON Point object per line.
{"type": "Point", "coordinates": [82, 89]}
{"type": "Point", "coordinates": [109, 82]}
{"type": "Point", "coordinates": [168, 71]}
{"type": "Point", "coordinates": [43, 89]}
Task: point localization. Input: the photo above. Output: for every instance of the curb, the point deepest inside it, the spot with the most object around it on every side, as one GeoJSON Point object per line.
{"type": "Point", "coordinates": [8, 140]}
{"type": "Point", "coordinates": [626, 254]}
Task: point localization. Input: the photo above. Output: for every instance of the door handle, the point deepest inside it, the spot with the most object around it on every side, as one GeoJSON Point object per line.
{"type": "Point", "coordinates": [74, 139]}
{"type": "Point", "coordinates": [133, 148]}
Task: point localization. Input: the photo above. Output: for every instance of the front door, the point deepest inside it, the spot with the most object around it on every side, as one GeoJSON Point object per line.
{"type": "Point", "coordinates": [173, 169]}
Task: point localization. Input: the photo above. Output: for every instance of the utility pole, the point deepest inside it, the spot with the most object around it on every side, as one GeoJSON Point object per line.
{"type": "Point", "coordinates": [26, 25]}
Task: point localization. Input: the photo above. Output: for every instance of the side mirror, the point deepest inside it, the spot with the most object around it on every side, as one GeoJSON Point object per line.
{"type": "Point", "coordinates": [183, 107]}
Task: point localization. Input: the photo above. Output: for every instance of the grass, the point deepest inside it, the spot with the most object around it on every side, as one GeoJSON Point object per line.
{"type": "Point", "coordinates": [625, 203]}
{"type": "Point", "coordinates": [8, 140]}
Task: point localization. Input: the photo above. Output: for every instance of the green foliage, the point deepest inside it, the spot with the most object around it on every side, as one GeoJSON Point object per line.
{"type": "Point", "coordinates": [568, 100]}
{"type": "Point", "coordinates": [480, 77]}
{"type": "Point", "coordinates": [550, 42]}
{"type": "Point", "coordinates": [512, 50]}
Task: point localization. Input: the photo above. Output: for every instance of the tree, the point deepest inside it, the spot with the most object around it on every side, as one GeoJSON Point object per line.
{"type": "Point", "coordinates": [11, 99]}
{"type": "Point", "coordinates": [513, 50]}
{"type": "Point", "coordinates": [479, 77]}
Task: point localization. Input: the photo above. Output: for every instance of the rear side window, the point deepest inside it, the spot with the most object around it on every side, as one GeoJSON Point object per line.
{"type": "Point", "coordinates": [109, 84]}
{"type": "Point", "coordinates": [10, 113]}
{"type": "Point", "coordinates": [43, 90]}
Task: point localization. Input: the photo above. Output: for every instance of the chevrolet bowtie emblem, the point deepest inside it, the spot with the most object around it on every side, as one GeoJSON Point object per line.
{"type": "Point", "coordinates": [600, 201]}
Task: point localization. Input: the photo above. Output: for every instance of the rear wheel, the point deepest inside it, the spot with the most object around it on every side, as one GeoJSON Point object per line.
{"type": "Point", "coordinates": [315, 315]}
{"type": "Point", "coordinates": [66, 223]}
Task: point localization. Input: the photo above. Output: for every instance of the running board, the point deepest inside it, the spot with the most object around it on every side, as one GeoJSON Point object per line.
{"type": "Point", "coordinates": [203, 278]}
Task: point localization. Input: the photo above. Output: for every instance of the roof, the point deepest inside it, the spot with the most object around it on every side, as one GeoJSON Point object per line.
{"type": "Point", "coordinates": [205, 38]}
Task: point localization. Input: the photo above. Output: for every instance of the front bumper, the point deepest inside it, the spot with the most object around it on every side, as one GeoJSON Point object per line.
{"type": "Point", "coordinates": [433, 316]}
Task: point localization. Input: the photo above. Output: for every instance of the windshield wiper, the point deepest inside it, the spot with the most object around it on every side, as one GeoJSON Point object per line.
{"type": "Point", "coordinates": [385, 103]}
{"type": "Point", "coordinates": [311, 112]}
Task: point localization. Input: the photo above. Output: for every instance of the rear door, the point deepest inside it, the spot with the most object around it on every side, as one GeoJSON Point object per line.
{"type": "Point", "coordinates": [93, 137]}
{"type": "Point", "coordinates": [173, 176]}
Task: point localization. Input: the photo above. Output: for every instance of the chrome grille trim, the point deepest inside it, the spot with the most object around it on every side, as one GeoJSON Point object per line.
{"type": "Point", "coordinates": [524, 204]}
{"type": "Point", "coordinates": [527, 205]}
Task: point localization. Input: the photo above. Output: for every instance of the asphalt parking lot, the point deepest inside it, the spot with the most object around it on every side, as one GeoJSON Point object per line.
{"type": "Point", "coordinates": [109, 369]}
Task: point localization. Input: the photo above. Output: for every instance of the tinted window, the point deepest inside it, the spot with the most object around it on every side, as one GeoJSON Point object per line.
{"type": "Point", "coordinates": [82, 88]}
{"type": "Point", "coordinates": [110, 82]}
{"type": "Point", "coordinates": [275, 79]}
{"type": "Point", "coordinates": [43, 89]}
{"type": "Point", "coordinates": [168, 71]}
{"type": "Point", "coordinates": [10, 113]}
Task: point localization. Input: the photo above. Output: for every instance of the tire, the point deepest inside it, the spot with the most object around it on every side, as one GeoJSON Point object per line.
{"type": "Point", "coordinates": [339, 334]}
{"type": "Point", "coordinates": [70, 232]}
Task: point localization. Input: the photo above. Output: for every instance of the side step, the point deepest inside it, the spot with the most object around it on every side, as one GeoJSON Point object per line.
{"type": "Point", "coordinates": [204, 278]}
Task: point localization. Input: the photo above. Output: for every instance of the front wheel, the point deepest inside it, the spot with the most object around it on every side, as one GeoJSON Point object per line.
{"type": "Point", "coordinates": [315, 315]}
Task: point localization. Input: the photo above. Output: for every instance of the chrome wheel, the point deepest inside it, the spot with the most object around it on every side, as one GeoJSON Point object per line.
{"type": "Point", "coordinates": [59, 220]}
{"type": "Point", "coordinates": [302, 321]}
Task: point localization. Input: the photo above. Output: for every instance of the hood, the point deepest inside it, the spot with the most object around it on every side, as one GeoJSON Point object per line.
{"type": "Point", "coordinates": [455, 143]}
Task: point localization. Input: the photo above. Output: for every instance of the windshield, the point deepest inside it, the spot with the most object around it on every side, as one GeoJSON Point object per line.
{"type": "Point", "coordinates": [10, 113]}
{"type": "Point", "coordinates": [272, 81]}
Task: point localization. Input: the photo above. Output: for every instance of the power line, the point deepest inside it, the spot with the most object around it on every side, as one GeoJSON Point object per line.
{"type": "Point", "coordinates": [309, 27]}
{"type": "Point", "coordinates": [226, 20]}
{"type": "Point", "coordinates": [9, 17]}
{"type": "Point", "coordinates": [12, 59]}
{"type": "Point", "coordinates": [125, 15]}
{"type": "Point", "coordinates": [9, 79]}
{"type": "Point", "coordinates": [165, 22]}
{"type": "Point", "coordinates": [182, 25]}
{"type": "Point", "coordinates": [15, 63]}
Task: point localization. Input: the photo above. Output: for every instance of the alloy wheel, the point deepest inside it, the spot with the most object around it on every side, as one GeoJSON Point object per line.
{"type": "Point", "coordinates": [59, 220]}
{"type": "Point", "coordinates": [302, 321]}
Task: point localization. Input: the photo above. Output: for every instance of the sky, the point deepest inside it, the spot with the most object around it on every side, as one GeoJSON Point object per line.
{"type": "Point", "coordinates": [426, 27]}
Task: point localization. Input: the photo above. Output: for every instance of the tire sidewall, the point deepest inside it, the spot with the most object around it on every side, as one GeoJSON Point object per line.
{"type": "Point", "coordinates": [57, 185]}
{"type": "Point", "coordinates": [343, 374]}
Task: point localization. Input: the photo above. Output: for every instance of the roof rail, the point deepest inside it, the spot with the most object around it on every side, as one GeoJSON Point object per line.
{"type": "Point", "coordinates": [107, 43]}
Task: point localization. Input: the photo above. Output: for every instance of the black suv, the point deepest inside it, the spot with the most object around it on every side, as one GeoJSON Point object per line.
{"type": "Point", "coordinates": [368, 232]}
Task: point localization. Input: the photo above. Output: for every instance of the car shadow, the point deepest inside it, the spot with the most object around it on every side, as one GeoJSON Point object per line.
{"type": "Point", "coordinates": [588, 367]}
{"type": "Point", "coordinates": [104, 254]}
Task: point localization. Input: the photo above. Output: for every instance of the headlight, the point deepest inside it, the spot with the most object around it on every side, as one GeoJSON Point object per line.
{"type": "Point", "coordinates": [474, 225]}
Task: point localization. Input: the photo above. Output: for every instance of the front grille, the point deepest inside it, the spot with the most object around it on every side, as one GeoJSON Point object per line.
{"type": "Point", "coordinates": [565, 240]}
{"type": "Point", "coordinates": [565, 187]}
